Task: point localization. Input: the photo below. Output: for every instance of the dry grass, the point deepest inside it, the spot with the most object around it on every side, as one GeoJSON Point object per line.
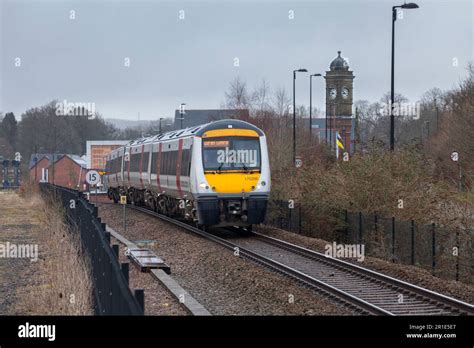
{"type": "Point", "coordinates": [62, 284]}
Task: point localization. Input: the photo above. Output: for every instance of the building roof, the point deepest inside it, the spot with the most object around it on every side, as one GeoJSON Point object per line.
{"type": "Point", "coordinates": [78, 159]}
{"type": "Point", "coordinates": [339, 63]}
{"type": "Point", "coordinates": [36, 157]}
{"type": "Point", "coordinates": [57, 156]}
{"type": "Point", "coordinates": [194, 118]}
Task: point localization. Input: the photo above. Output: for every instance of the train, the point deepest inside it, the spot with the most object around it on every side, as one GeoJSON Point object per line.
{"type": "Point", "coordinates": [215, 174]}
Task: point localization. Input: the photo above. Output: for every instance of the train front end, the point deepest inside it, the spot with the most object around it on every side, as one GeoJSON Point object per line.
{"type": "Point", "coordinates": [232, 178]}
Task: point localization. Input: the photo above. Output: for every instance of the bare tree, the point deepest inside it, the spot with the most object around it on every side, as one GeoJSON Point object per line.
{"type": "Point", "coordinates": [237, 96]}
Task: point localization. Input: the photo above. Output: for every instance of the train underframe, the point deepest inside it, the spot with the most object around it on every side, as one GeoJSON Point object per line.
{"type": "Point", "coordinates": [209, 210]}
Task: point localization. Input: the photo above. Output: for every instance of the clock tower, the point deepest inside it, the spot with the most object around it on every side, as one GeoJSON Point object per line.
{"type": "Point", "coordinates": [339, 88]}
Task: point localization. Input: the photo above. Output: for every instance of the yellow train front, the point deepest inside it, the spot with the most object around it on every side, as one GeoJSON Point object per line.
{"type": "Point", "coordinates": [216, 174]}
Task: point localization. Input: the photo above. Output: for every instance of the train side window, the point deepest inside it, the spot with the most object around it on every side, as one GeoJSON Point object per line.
{"type": "Point", "coordinates": [185, 162]}
{"type": "Point", "coordinates": [134, 162]}
{"type": "Point", "coordinates": [118, 164]}
{"type": "Point", "coordinates": [146, 158]}
{"type": "Point", "coordinates": [174, 162]}
{"type": "Point", "coordinates": [168, 162]}
{"type": "Point", "coordinates": [164, 167]}
{"type": "Point", "coordinates": [154, 157]}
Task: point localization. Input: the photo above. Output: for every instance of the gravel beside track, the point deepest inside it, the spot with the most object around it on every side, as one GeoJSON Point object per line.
{"type": "Point", "coordinates": [223, 283]}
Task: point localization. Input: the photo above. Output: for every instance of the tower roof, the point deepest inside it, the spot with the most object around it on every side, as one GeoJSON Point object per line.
{"type": "Point", "coordinates": [339, 63]}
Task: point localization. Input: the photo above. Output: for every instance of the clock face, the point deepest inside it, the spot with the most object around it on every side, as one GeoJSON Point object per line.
{"type": "Point", "coordinates": [332, 93]}
{"type": "Point", "coordinates": [345, 93]}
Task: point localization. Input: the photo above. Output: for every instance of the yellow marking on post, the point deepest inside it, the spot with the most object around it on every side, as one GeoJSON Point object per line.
{"type": "Point", "coordinates": [230, 132]}
{"type": "Point", "coordinates": [123, 199]}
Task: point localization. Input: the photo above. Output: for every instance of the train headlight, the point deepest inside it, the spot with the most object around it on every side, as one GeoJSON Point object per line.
{"type": "Point", "coordinates": [263, 183]}
{"type": "Point", "coordinates": [203, 185]}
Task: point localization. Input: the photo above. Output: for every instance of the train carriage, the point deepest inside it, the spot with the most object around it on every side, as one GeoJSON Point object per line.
{"type": "Point", "coordinates": [216, 174]}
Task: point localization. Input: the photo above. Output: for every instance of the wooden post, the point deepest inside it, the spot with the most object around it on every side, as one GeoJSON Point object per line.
{"type": "Point", "coordinates": [393, 238]}
{"type": "Point", "coordinates": [433, 247]}
{"type": "Point", "coordinates": [412, 242]}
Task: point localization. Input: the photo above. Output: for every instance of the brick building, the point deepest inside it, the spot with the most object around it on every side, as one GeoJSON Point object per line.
{"type": "Point", "coordinates": [97, 150]}
{"type": "Point", "coordinates": [63, 169]}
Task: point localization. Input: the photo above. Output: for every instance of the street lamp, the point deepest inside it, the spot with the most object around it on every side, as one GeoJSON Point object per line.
{"type": "Point", "coordinates": [410, 5]}
{"type": "Point", "coordinates": [294, 112]}
{"type": "Point", "coordinates": [311, 105]}
{"type": "Point", "coordinates": [161, 119]}
{"type": "Point", "coordinates": [182, 112]}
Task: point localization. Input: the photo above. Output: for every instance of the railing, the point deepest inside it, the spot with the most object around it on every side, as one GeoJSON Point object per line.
{"type": "Point", "coordinates": [446, 253]}
{"type": "Point", "coordinates": [112, 295]}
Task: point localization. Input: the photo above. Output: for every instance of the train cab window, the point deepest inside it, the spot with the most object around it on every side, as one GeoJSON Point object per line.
{"type": "Point", "coordinates": [231, 153]}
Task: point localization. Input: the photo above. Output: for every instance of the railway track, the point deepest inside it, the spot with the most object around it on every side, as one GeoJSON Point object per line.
{"type": "Point", "coordinates": [363, 290]}
{"type": "Point", "coordinates": [395, 296]}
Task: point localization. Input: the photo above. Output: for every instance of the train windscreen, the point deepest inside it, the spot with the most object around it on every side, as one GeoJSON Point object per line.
{"type": "Point", "coordinates": [231, 153]}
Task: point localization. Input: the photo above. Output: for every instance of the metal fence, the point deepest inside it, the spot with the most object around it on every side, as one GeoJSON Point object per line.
{"type": "Point", "coordinates": [112, 295]}
{"type": "Point", "coordinates": [446, 253]}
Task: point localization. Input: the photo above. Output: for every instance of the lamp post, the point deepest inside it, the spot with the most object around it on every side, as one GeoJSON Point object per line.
{"type": "Point", "coordinates": [161, 119]}
{"type": "Point", "coordinates": [410, 5]}
{"type": "Point", "coordinates": [294, 112]}
{"type": "Point", "coordinates": [311, 105]}
{"type": "Point", "coordinates": [182, 112]}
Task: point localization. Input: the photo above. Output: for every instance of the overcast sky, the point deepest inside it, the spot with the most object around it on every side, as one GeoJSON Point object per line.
{"type": "Point", "coordinates": [191, 60]}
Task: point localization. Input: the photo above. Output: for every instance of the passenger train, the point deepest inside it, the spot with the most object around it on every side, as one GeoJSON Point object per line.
{"type": "Point", "coordinates": [215, 174]}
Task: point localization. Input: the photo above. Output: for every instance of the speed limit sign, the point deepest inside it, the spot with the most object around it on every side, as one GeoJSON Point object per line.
{"type": "Point", "coordinates": [93, 177]}
{"type": "Point", "coordinates": [454, 156]}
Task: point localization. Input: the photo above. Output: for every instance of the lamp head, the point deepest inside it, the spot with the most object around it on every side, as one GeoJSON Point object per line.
{"type": "Point", "coordinates": [410, 5]}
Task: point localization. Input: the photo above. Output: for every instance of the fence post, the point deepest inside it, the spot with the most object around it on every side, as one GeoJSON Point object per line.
{"type": "Point", "coordinates": [107, 236]}
{"type": "Point", "coordinates": [140, 296]}
{"type": "Point", "coordinates": [299, 218]}
{"type": "Point", "coordinates": [376, 222]}
{"type": "Point", "coordinates": [457, 256]}
{"type": "Point", "coordinates": [433, 248]}
{"type": "Point", "coordinates": [393, 238]}
{"type": "Point", "coordinates": [115, 249]}
{"type": "Point", "coordinates": [346, 224]}
{"type": "Point", "coordinates": [289, 218]}
{"type": "Point", "coordinates": [281, 215]}
{"type": "Point", "coordinates": [360, 227]}
{"type": "Point", "coordinates": [412, 242]}
{"type": "Point", "coordinates": [124, 266]}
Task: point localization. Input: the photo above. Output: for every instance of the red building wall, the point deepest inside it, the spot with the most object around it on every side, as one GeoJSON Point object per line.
{"type": "Point", "coordinates": [67, 173]}
{"type": "Point", "coordinates": [43, 163]}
